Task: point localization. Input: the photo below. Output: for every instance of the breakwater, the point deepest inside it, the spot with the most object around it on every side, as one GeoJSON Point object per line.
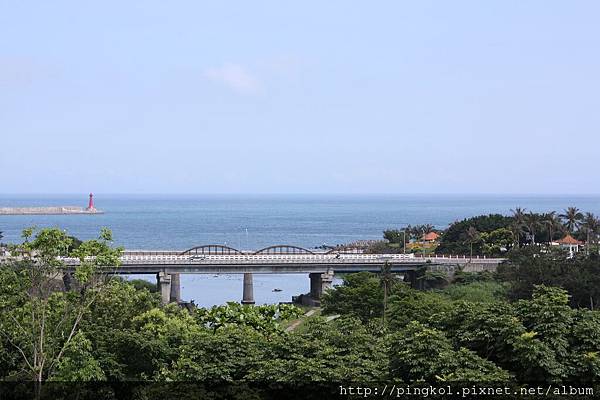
{"type": "Point", "coordinates": [61, 210]}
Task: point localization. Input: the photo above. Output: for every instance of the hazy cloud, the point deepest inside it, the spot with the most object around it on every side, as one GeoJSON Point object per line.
{"type": "Point", "coordinates": [235, 77]}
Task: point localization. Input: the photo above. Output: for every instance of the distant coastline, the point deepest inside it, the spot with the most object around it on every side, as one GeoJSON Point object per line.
{"type": "Point", "coordinates": [64, 210]}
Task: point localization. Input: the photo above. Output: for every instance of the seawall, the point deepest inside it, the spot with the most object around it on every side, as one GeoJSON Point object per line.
{"type": "Point", "coordinates": [61, 210]}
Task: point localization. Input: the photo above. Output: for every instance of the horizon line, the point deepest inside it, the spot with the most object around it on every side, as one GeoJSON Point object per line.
{"type": "Point", "coordinates": [536, 194]}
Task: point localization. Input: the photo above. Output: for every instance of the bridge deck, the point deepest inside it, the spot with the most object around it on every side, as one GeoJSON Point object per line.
{"type": "Point", "coordinates": [171, 262]}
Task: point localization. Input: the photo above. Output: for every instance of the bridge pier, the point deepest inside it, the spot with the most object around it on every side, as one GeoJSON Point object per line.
{"type": "Point", "coordinates": [175, 295]}
{"type": "Point", "coordinates": [163, 281]}
{"type": "Point", "coordinates": [67, 279]}
{"type": "Point", "coordinates": [248, 294]}
{"type": "Point", "coordinates": [411, 277]}
{"type": "Point", "coordinates": [319, 283]}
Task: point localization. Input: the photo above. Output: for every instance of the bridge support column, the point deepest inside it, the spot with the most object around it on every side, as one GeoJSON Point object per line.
{"type": "Point", "coordinates": [175, 296]}
{"type": "Point", "coordinates": [319, 283]}
{"type": "Point", "coordinates": [248, 295]}
{"type": "Point", "coordinates": [164, 286]}
{"type": "Point", "coordinates": [411, 277]}
{"type": "Point", "coordinates": [68, 280]}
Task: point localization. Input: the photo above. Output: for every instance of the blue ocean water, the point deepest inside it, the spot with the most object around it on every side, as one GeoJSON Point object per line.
{"type": "Point", "coordinates": [255, 221]}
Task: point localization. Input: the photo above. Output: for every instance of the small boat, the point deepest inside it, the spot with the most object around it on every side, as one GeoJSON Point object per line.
{"type": "Point", "coordinates": [277, 290]}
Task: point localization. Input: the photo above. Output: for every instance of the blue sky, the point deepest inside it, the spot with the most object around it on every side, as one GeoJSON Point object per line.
{"type": "Point", "coordinates": [299, 97]}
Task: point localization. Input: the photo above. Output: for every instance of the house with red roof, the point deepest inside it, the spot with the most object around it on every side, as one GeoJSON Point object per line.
{"type": "Point", "coordinates": [569, 242]}
{"type": "Point", "coordinates": [430, 237]}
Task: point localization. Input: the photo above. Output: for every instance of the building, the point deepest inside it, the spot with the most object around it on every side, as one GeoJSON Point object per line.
{"type": "Point", "coordinates": [570, 243]}
{"type": "Point", "coordinates": [430, 237]}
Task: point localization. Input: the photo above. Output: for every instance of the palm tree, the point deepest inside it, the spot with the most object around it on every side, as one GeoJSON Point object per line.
{"type": "Point", "coordinates": [517, 230]}
{"type": "Point", "coordinates": [591, 227]}
{"type": "Point", "coordinates": [517, 225]}
{"type": "Point", "coordinates": [472, 236]}
{"type": "Point", "coordinates": [427, 228]}
{"type": "Point", "coordinates": [387, 281]}
{"type": "Point", "coordinates": [519, 214]}
{"type": "Point", "coordinates": [552, 224]}
{"type": "Point", "coordinates": [572, 217]}
{"type": "Point", "coordinates": [532, 223]}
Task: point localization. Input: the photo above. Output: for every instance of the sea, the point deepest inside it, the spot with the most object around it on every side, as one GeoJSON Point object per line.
{"type": "Point", "coordinates": [179, 222]}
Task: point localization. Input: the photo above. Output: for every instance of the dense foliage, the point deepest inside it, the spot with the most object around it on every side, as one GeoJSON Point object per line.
{"type": "Point", "coordinates": [495, 235]}
{"type": "Point", "coordinates": [458, 239]}
{"type": "Point", "coordinates": [40, 325]}
{"type": "Point", "coordinates": [522, 325]}
{"type": "Point", "coordinates": [471, 331]}
{"type": "Point", "coordinates": [407, 234]}
{"type": "Point", "coordinates": [579, 275]}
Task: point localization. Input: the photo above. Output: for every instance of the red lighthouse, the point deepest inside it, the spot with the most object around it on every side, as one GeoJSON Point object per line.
{"type": "Point", "coordinates": [91, 203]}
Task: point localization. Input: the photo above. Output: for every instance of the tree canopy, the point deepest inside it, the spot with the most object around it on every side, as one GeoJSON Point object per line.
{"type": "Point", "coordinates": [532, 322]}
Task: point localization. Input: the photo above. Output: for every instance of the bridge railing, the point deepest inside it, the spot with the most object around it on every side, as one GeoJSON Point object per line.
{"type": "Point", "coordinates": [151, 252]}
{"type": "Point", "coordinates": [283, 258]}
{"type": "Point", "coordinates": [265, 256]}
{"type": "Point", "coordinates": [173, 257]}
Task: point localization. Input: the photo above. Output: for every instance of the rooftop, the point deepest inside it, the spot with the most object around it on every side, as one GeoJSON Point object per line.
{"type": "Point", "coordinates": [431, 236]}
{"type": "Point", "coordinates": [569, 240]}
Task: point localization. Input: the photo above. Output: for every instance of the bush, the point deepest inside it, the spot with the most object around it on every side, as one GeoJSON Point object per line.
{"type": "Point", "coordinates": [485, 292]}
{"type": "Point", "coordinates": [360, 295]}
{"type": "Point", "coordinates": [141, 284]}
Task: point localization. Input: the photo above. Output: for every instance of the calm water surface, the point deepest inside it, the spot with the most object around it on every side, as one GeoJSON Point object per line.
{"type": "Point", "coordinates": [252, 222]}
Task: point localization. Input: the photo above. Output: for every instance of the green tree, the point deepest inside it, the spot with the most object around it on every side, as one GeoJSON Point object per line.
{"type": "Point", "coordinates": [140, 284]}
{"type": "Point", "coordinates": [528, 267]}
{"type": "Point", "coordinates": [553, 225]}
{"type": "Point", "coordinates": [591, 228]}
{"type": "Point", "coordinates": [387, 280]}
{"type": "Point", "coordinates": [111, 326]}
{"type": "Point", "coordinates": [532, 223]}
{"type": "Point", "coordinates": [360, 295]}
{"type": "Point", "coordinates": [394, 236]}
{"type": "Point", "coordinates": [530, 338]}
{"type": "Point", "coordinates": [419, 353]}
{"type": "Point", "coordinates": [155, 338]}
{"type": "Point", "coordinates": [228, 355]}
{"type": "Point", "coordinates": [343, 350]}
{"type": "Point", "coordinates": [407, 304]}
{"type": "Point", "coordinates": [584, 337]}
{"type": "Point", "coordinates": [572, 218]}
{"type": "Point", "coordinates": [543, 350]}
{"type": "Point", "coordinates": [517, 224]}
{"type": "Point", "coordinates": [471, 236]}
{"type": "Point", "coordinates": [519, 214]}
{"type": "Point", "coordinates": [37, 319]}
{"type": "Point", "coordinates": [78, 363]}
{"type": "Point", "coordinates": [264, 318]}
{"type": "Point", "coordinates": [497, 242]}
{"type": "Point", "coordinates": [455, 240]}
{"type": "Point", "coordinates": [549, 315]}
{"type": "Point", "coordinates": [475, 292]}
{"type": "Point", "coordinates": [487, 328]}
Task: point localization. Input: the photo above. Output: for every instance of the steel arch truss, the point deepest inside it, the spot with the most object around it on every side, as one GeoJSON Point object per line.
{"type": "Point", "coordinates": [212, 249]}
{"type": "Point", "coordinates": [283, 249]}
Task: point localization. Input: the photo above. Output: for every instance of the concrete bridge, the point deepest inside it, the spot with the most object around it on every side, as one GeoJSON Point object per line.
{"type": "Point", "coordinates": [280, 259]}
